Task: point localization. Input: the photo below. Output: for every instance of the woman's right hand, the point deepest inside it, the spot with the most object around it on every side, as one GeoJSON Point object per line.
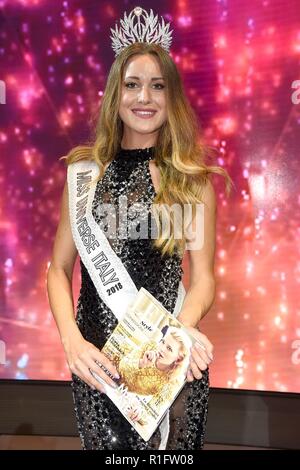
{"type": "Point", "coordinates": [148, 358]}
{"type": "Point", "coordinates": [82, 356]}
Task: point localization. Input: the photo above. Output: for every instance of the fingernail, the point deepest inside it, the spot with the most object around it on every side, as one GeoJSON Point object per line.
{"type": "Point", "coordinates": [117, 376]}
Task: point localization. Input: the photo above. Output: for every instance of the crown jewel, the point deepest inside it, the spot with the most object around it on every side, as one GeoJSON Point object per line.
{"type": "Point", "coordinates": [149, 31]}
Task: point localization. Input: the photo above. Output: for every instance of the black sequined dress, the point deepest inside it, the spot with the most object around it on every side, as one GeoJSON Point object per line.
{"type": "Point", "coordinates": [100, 424]}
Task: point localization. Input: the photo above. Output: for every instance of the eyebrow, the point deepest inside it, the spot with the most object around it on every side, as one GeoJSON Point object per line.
{"type": "Point", "coordinates": [153, 78]}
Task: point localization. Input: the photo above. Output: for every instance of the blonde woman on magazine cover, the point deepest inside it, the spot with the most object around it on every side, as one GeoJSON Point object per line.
{"type": "Point", "coordinates": [156, 367]}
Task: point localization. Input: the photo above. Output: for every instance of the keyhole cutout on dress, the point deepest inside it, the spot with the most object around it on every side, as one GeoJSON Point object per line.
{"type": "Point", "coordinates": [106, 165]}
{"type": "Point", "coordinates": [153, 170]}
{"type": "Point", "coordinates": [155, 175]}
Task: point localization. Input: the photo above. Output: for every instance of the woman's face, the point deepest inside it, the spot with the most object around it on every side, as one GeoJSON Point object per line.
{"type": "Point", "coordinates": [168, 350]}
{"type": "Point", "coordinates": [143, 89]}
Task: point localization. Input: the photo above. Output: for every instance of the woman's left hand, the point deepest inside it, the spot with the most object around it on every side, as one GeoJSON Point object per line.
{"type": "Point", "coordinates": [201, 354]}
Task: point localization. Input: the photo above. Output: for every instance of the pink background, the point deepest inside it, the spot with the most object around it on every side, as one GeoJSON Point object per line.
{"type": "Point", "coordinates": [238, 60]}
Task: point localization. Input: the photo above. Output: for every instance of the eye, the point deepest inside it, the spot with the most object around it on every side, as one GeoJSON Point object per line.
{"type": "Point", "coordinates": [160, 85]}
{"type": "Point", "coordinates": [129, 83]}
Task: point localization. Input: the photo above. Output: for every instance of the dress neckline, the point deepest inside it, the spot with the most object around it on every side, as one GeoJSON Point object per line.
{"type": "Point", "coordinates": [139, 154]}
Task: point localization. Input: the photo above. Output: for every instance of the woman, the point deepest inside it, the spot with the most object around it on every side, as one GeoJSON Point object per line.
{"type": "Point", "coordinates": [155, 367]}
{"type": "Point", "coordinates": [146, 149]}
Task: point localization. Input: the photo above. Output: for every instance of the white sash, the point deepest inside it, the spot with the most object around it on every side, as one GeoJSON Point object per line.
{"type": "Point", "coordinates": [109, 275]}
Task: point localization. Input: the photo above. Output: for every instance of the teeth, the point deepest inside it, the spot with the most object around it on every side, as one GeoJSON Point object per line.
{"type": "Point", "coordinates": [146, 113]}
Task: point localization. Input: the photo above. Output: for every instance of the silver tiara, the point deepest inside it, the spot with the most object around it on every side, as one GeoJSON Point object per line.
{"type": "Point", "coordinates": [149, 31]}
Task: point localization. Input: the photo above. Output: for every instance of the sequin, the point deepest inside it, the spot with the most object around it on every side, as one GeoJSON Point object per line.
{"type": "Point", "coordinates": [100, 424]}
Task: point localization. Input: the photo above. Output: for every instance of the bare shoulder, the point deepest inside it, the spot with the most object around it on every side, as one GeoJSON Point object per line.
{"type": "Point", "coordinates": [209, 196]}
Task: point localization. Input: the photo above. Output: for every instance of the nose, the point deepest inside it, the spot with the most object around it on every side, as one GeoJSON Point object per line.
{"type": "Point", "coordinates": [144, 95]}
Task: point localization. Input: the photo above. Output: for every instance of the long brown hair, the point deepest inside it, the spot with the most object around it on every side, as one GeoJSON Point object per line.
{"type": "Point", "coordinates": [179, 153]}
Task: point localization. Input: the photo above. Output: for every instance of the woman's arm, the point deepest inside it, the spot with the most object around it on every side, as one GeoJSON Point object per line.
{"type": "Point", "coordinates": [201, 293]}
{"type": "Point", "coordinates": [80, 354]}
{"type": "Point", "coordinates": [60, 273]}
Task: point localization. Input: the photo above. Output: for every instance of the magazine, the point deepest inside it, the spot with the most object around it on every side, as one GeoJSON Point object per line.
{"type": "Point", "coordinates": [151, 351]}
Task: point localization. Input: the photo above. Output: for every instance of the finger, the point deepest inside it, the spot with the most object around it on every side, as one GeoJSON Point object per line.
{"type": "Point", "coordinates": [195, 370]}
{"type": "Point", "coordinates": [206, 343]}
{"type": "Point", "coordinates": [100, 357]}
{"type": "Point", "coordinates": [92, 365]}
{"type": "Point", "coordinates": [99, 374]}
{"type": "Point", "coordinates": [190, 376]}
{"type": "Point", "coordinates": [84, 374]}
{"type": "Point", "coordinates": [203, 353]}
{"type": "Point", "coordinates": [198, 359]}
{"type": "Point", "coordinates": [108, 367]}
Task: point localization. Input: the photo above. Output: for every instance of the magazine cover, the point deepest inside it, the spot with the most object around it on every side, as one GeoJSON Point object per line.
{"type": "Point", "coordinates": [151, 351]}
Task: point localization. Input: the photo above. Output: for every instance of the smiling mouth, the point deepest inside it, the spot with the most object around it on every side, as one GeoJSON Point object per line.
{"type": "Point", "coordinates": [143, 114]}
